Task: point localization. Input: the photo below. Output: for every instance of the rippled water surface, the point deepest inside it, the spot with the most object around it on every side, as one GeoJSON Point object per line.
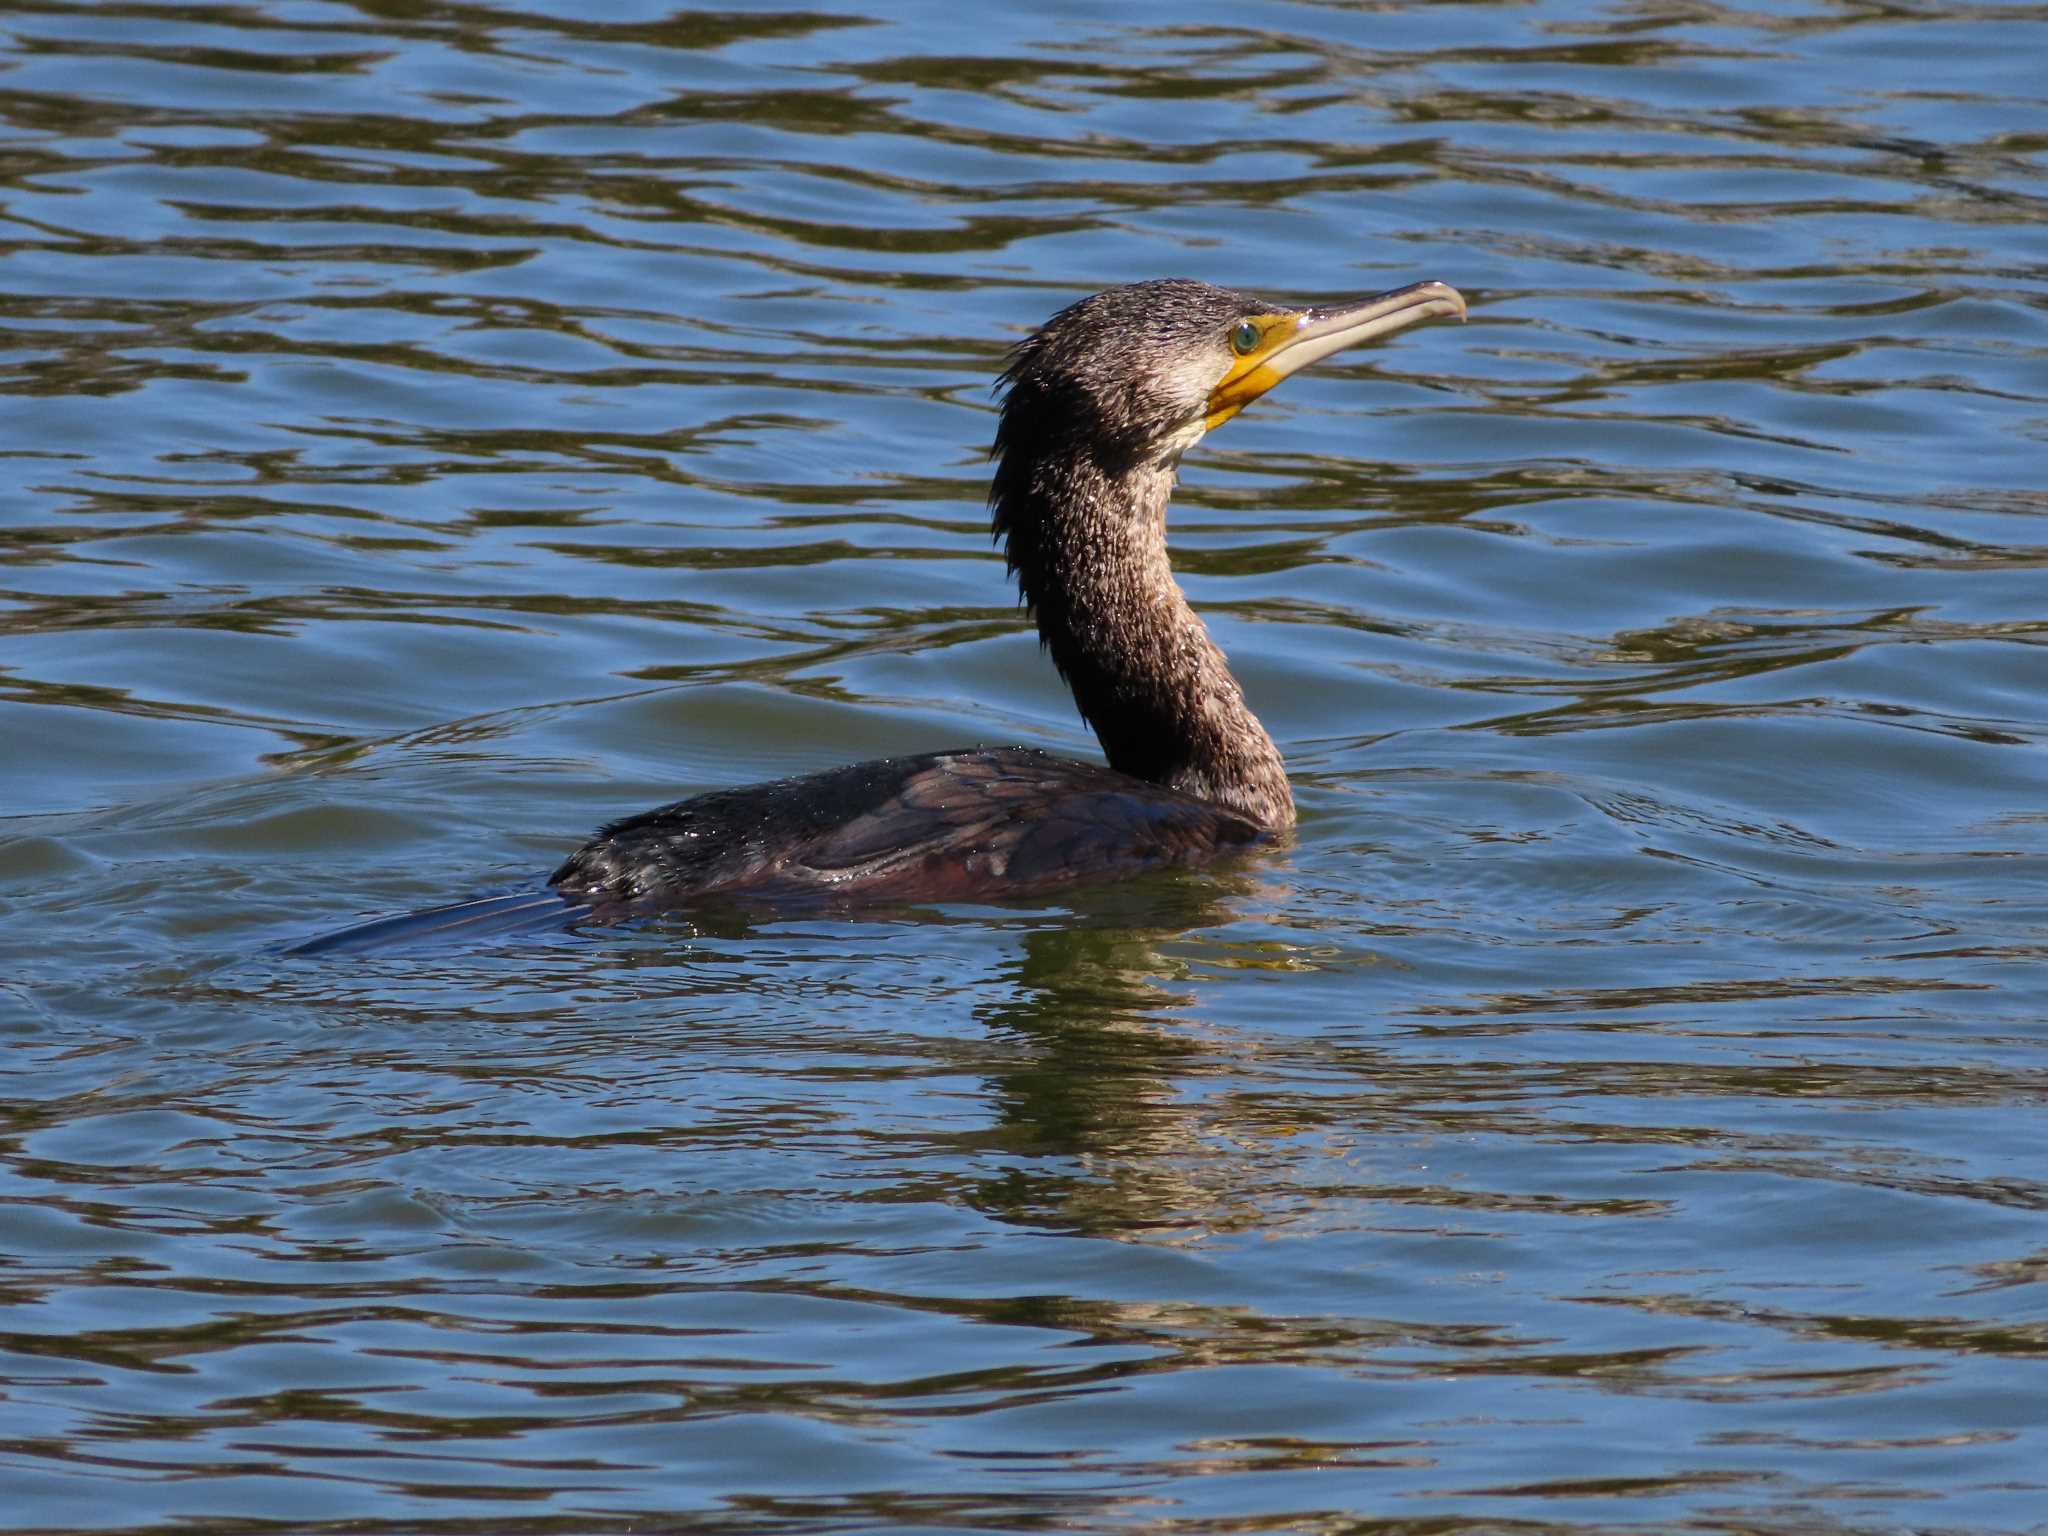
{"type": "Point", "coordinates": [431, 430]}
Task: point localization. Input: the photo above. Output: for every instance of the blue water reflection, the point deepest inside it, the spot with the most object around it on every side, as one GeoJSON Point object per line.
{"type": "Point", "coordinates": [430, 433]}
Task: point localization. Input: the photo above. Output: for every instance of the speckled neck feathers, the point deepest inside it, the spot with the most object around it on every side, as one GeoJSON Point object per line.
{"type": "Point", "coordinates": [1079, 498]}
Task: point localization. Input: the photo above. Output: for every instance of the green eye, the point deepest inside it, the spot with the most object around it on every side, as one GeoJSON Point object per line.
{"type": "Point", "coordinates": [1245, 339]}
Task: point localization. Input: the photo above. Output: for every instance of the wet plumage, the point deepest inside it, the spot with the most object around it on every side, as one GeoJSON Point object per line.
{"type": "Point", "coordinates": [1098, 407]}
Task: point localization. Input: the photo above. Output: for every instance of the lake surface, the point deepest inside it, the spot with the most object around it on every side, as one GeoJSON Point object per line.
{"type": "Point", "coordinates": [431, 431]}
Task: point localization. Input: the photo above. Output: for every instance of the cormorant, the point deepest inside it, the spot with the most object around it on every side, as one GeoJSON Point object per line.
{"type": "Point", "coordinates": [1098, 406]}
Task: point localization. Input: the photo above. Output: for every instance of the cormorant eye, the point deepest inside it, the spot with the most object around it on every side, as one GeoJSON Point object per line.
{"type": "Point", "coordinates": [1245, 339]}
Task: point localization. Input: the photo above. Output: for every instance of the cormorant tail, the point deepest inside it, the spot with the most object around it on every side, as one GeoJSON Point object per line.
{"type": "Point", "coordinates": [487, 917]}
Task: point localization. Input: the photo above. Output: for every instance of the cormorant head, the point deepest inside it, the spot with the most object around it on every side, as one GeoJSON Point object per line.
{"type": "Point", "coordinates": [1133, 376]}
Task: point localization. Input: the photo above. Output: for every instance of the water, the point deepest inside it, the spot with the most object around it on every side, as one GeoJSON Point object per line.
{"type": "Point", "coordinates": [430, 432]}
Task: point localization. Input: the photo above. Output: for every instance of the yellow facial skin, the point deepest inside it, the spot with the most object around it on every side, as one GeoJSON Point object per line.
{"type": "Point", "coordinates": [1266, 348]}
{"type": "Point", "coordinates": [1251, 373]}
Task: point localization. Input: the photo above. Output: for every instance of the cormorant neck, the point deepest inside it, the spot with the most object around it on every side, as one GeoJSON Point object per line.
{"type": "Point", "coordinates": [1087, 542]}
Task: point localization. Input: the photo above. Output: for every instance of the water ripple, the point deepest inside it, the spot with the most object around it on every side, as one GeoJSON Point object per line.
{"type": "Point", "coordinates": [431, 433]}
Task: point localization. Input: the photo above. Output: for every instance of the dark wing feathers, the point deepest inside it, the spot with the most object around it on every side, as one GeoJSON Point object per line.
{"type": "Point", "coordinates": [976, 825]}
{"type": "Point", "coordinates": [986, 822]}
